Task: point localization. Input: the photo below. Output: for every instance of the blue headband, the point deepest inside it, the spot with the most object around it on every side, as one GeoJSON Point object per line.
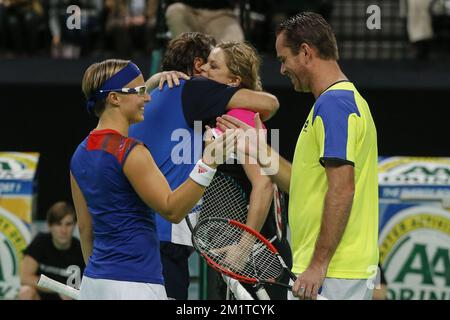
{"type": "Point", "coordinates": [117, 81]}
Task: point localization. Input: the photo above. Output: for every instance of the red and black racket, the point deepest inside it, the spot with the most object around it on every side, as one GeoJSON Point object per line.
{"type": "Point", "coordinates": [240, 252]}
{"type": "Point", "coordinates": [224, 198]}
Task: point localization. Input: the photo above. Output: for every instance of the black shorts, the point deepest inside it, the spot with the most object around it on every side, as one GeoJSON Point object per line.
{"type": "Point", "coordinates": [175, 262]}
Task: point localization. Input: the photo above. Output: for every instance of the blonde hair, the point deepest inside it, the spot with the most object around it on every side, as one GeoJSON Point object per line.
{"type": "Point", "coordinates": [96, 74]}
{"type": "Point", "coordinates": [242, 60]}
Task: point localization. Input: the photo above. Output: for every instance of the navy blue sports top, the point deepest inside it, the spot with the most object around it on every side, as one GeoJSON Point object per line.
{"type": "Point", "coordinates": [126, 246]}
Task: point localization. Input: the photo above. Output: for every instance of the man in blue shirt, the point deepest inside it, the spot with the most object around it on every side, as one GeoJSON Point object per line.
{"type": "Point", "coordinates": [178, 116]}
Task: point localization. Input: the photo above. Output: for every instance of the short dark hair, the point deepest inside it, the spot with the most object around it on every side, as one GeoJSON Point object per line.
{"type": "Point", "coordinates": [96, 75]}
{"type": "Point", "coordinates": [182, 50]}
{"type": "Point", "coordinates": [310, 28]}
{"type": "Point", "coordinates": [58, 211]}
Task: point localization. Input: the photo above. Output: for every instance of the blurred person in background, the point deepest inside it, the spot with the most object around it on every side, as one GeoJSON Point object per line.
{"type": "Point", "coordinates": [72, 43]}
{"type": "Point", "coordinates": [52, 254]}
{"type": "Point", "coordinates": [130, 25]}
{"type": "Point", "coordinates": [2, 27]}
{"type": "Point", "coordinates": [20, 23]}
{"type": "Point", "coordinates": [215, 18]}
{"type": "Point", "coordinates": [418, 25]}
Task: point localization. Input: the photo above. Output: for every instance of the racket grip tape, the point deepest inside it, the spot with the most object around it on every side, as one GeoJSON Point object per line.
{"type": "Point", "coordinates": [47, 283]}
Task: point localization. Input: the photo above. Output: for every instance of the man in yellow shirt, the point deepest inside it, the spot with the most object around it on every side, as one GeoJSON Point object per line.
{"type": "Point", "coordinates": [332, 181]}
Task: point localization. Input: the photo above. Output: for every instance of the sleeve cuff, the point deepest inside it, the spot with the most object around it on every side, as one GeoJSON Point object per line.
{"type": "Point", "coordinates": [323, 160]}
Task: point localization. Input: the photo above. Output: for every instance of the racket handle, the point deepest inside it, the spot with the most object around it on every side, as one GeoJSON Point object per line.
{"type": "Point", "coordinates": [261, 293]}
{"type": "Point", "coordinates": [189, 223]}
{"type": "Point", "coordinates": [287, 286]}
{"type": "Point", "coordinates": [291, 274]}
{"type": "Point", "coordinates": [286, 268]}
{"type": "Point", "coordinates": [58, 287]}
{"type": "Point", "coordinates": [238, 290]}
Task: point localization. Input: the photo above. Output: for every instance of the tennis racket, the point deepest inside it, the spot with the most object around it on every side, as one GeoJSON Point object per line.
{"type": "Point", "coordinates": [224, 198]}
{"type": "Point", "coordinates": [55, 286]}
{"type": "Point", "coordinates": [241, 253]}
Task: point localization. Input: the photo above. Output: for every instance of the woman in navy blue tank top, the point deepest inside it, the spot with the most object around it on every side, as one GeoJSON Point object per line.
{"type": "Point", "coordinates": [117, 188]}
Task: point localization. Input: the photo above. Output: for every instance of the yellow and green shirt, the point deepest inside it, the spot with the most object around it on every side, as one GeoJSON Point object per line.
{"type": "Point", "coordinates": [339, 127]}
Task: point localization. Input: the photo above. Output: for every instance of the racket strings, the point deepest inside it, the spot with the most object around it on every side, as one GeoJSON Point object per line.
{"type": "Point", "coordinates": [236, 250]}
{"type": "Point", "coordinates": [223, 199]}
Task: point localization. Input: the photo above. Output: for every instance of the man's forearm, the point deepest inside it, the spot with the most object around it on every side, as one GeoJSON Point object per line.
{"type": "Point", "coordinates": [336, 213]}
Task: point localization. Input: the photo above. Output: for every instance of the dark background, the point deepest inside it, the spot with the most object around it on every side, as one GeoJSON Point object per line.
{"type": "Point", "coordinates": [44, 111]}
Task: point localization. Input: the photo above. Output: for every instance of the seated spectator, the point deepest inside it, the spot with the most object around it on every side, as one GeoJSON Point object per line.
{"type": "Point", "coordinates": [20, 22]}
{"type": "Point", "coordinates": [215, 18]}
{"type": "Point", "coordinates": [72, 43]}
{"type": "Point", "coordinates": [266, 15]}
{"type": "Point", "coordinates": [440, 17]}
{"type": "Point", "coordinates": [52, 254]}
{"type": "Point", "coordinates": [418, 25]}
{"type": "Point", "coordinates": [2, 26]}
{"type": "Point", "coordinates": [130, 25]}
